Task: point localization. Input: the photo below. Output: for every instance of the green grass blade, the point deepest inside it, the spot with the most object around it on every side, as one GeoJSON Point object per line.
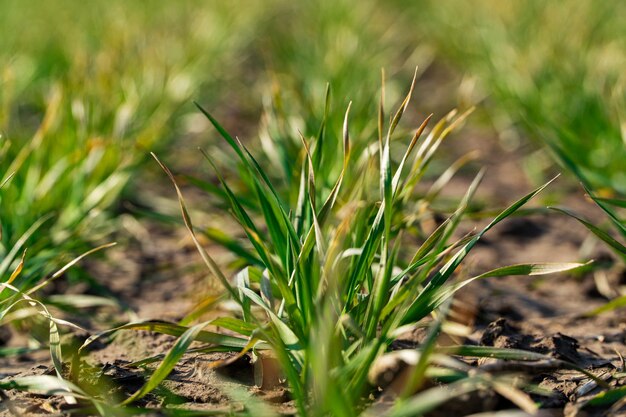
{"type": "Point", "coordinates": [208, 260]}
{"type": "Point", "coordinates": [201, 308]}
{"type": "Point", "coordinates": [254, 168]}
{"type": "Point", "coordinates": [43, 385]}
{"type": "Point", "coordinates": [6, 352]}
{"type": "Point", "coordinates": [288, 337]}
{"type": "Point", "coordinates": [607, 398]}
{"type": "Point", "coordinates": [318, 153]}
{"type": "Point", "coordinates": [68, 265]}
{"type": "Point", "coordinates": [232, 245]}
{"type": "Point", "coordinates": [431, 398]}
{"type": "Point", "coordinates": [531, 269]}
{"type": "Point", "coordinates": [617, 246]}
{"type": "Point", "coordinates": [612, 201]}
{"type": "Point", "coordinates": [19, 244]}
{"type": "Point", "coordinates": [428, 346]}
{"type": "Point", "coordinates": [273, 199]}
{"type": "Point", "coordinates": [253, 406]}
{"type": "Point", "coordinates": [235, 325]}
{"type": "Point", "coordinates": [6, 179]}
{"type": "Point", "coordinates": [614, 304]}
{"type": "Point", "coordinates": [223, 133]}
{"type": "Point", "coordinates": [400, 112]}
{"type": "Point", "coordinates": [414, 140]}
{"type": "Point", "coordinates": [169, 362]}
{"type": "Point", "coordinates": [301, 206]}
{"type": "Point", "coordinates": [619, 224]}
{"type": "Point", "coordinates": [244, 219]}
{"type": "Point", "coordinates": [417, 309]}
{"type": "Point", "coordinates": [332, 197]}
{"type": "Point", "coordinates": [516, 355]}
{"type": "Point", "coordinates": [172, 329]}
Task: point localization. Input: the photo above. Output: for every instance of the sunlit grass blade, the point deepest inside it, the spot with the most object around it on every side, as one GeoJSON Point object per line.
{"type": "Point", "coordinates": [68, 265]}
{"type": "Point", "coordinates": [7, 179]}
{"type": "Point", "coordinates": [414, 140]}
{"type": "Point", "coordinates": [43, 385]}
{"type": "Point", "coordinates": [235, 343]}
{"type": "Point", "coordinates": [80, 301]}
{"type": "Point", "coordinates": [54, 340]}
{"type": "Point", "coordinates": [201, 308]}
{"type": "Point", "coordinates": [431, 398]}
{"type": "Point", "coordinates": [255, 169]}
{"type": "Point", "coordinates": [443, 180]}
{"type": "Point", "coordinates": [518, 397]}
{"type": "Point", "coordinates": [16, 272]}
{"type": "Point", "coordinates": [15, 249]}
{"type": "Point", "coordinates": [417, 309]}
{"type": "Point", "coordinates": [443, 293]}
{"type": "Point", "coordinates": [235, 325]}
{"type": "Point", "coordinates": [400, 112]}
{"type": "Point", "coordinates": [287, 335]}
{"type": "Point", "coordinates": [518, 355]}
{"type": "Point", "coordinates": [332, 196]}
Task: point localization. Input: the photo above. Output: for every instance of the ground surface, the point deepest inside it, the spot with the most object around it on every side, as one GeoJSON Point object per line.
{"type": "Point", "coordinates": [157, 275]}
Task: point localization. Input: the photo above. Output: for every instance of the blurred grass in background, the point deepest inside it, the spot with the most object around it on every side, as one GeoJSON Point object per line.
{"type": "Point", "coordinates": [553, 71]}
{"type": "Point", "coordinates": [88, 88]}
{"type": "Point", "coordinates": [86, 91]}
{"type": "Point", "coordinates": [303, 48]}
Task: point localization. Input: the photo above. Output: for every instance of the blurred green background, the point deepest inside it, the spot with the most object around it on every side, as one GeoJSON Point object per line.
{"type": "Point", "coordinates": [87, 89]}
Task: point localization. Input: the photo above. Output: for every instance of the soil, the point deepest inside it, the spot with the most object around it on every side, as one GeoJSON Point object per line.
{"type": "Point", "coordinates": [156, 273]}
